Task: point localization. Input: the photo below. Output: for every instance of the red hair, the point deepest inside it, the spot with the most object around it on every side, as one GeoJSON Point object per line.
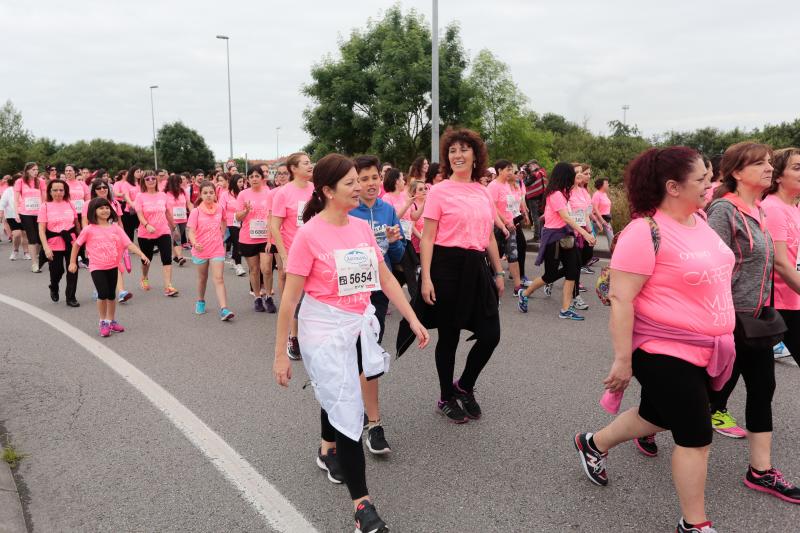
{"type": "Point", "coordinates": [647, 175]}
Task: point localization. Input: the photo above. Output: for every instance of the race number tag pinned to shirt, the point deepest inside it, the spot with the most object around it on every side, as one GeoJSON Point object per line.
{"type": "Point", "coordinates": [258, 229]}
{"type": "Point", "coordinates": [512, 205]}
{"type": "Point", "coordinates": [179, 213]}
{"type": "Point", "coordinates": [406, 225]}
{"type": "Point", "coordinates": [580, 217]}
{"type": "Point", "coordinates": [32, 203]}
{"type": "Point", "coordinates": [357, 270]}
{"type": "Point", "coordinates": [797, 260]}
{"type": "Point", "coordinates": [78, 205]}
{"type": "Point", "coordinates": [301, 206]}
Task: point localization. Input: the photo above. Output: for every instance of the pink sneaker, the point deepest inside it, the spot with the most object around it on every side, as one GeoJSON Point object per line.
{"type": "Point", "coordinates": [116, 327]}
{"type": "Point", "coordinates": [105, 329]}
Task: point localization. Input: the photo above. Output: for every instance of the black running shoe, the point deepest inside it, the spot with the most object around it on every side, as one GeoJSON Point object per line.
{"type": "Point", "coordinates": [293, 349]}
{"type": "Point", "coordinates": [705, 527]}
{"type": "Point", "coordinates": [269, 305]}
{"type": "Point", "coordinates": [330, 464]}
{"type": "Point", "coordinates": [376, 441]}
{"type": "Point", "coordinates": [594, 463]}
{"type": "Point", "coordinates": [772, 482]}
{"type": "Point", "coordinates": [53, 293]}
{"type": "Point", "coordinates": [647, 445]}
{"type": "Point", "coordinates": [452, 410]}
{"type": "Point", "coordinates": [467, 399]}
{"type": "Point", "coordinates": [367, 519]}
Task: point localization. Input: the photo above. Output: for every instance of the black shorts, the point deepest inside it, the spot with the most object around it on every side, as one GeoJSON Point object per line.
{"type": "Point", "coordinates": [13, 224]}
{"type": "Point", "coordinates": [252, 250]}
{"type": "Point", "coordinates": [272, 249]}
{"type": "Point", "coordinates": [674, 397]}
{"type": "Point", "coordinates": [31, 227]}
{"type": "Point", "coordinates": [164, 245]}
{"type": "Point", "coordinates": [105, 281]}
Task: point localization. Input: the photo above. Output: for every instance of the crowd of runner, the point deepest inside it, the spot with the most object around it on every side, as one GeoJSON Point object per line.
{"type": "Point", "coordinates": [706, 279]}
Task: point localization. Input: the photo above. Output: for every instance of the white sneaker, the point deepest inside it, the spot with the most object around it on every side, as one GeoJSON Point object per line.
{"type": "Point", "coordinates": [13, 256]}
{"type": "Point", "coordinates": [27, 256]}
{"type": "Point", "coordinates": [579, 304]}
{"type": "Point", "coordinates": [35, 268]}
{"type": "Point", "coordinates": [240, 270]}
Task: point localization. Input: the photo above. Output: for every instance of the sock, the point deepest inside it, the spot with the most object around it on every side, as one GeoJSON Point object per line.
{"type": "Point", "coordinates": [759, 472]}
{"type": "Point", "coordinates": [592, 445]}
{"type": "Point", "coordinates": [687, 525]}
{"type": "Point", "coordinates": [372, 424]}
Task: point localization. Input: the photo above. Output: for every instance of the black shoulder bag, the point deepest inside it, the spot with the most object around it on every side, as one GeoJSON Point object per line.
{"type": "Point", "coordinates": [764, 330]}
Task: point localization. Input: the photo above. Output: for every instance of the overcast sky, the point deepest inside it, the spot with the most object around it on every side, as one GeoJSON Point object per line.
{"type": "Point", "coordinates": [81, 69]}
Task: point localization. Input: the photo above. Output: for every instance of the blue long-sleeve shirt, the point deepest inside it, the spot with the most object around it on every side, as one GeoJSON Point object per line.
{"type": "Point", "coordinates": [379, 216]}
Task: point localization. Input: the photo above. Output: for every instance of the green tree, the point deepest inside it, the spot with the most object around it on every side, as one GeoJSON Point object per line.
{"type": "Point", "coordinates": [101, 153]}
{"type": "Point", "coordinates": [376, 96]}
{"type": "Point", "coordinates": [15, 140]}
{"type": "Point", "coordinates": [518, 140]}
{"type": "Point", "coordinates": [709, 141]}
{"type": "Point", "coordinates": [181, 148]}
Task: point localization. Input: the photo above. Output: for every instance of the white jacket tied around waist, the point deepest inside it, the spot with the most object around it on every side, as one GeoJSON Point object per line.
{"type": "Point", "coordinates": [328, 338]}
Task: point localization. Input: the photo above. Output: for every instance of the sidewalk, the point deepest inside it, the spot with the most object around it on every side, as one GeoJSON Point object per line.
{"type": "Point", "coordinates": [600, 250]}
{"type": "Point", "coordinates": [11, 517]}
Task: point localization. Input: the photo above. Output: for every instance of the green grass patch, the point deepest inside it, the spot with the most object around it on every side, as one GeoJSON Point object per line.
{"type": "Point", "coordinates": [12, 456]}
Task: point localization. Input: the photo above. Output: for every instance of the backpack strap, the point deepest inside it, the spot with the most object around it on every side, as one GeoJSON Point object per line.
{"type": "Point", "coordinates": [655, 234]}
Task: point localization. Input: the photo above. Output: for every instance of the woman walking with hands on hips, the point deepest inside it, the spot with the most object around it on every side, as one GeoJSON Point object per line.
{"type": "Point", "coordinates": [335, 259]}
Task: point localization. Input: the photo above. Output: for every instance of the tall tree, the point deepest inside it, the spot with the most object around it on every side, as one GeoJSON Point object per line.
{"type": "Point", "coordinates": [376, 96]}
{"type": "Point", "coordinates": [15, 140]}
{"type": "Point", "coordinates": [181, 148]}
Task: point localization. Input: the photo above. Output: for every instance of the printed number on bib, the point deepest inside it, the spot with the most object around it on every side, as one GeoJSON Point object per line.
{"type": "Point", "coordinates": [178, 213]}
{"type": "Point", "coordinates": [258, 229]}
{"type": "Point", "coordinates": [357, 270]}
{"type": "Point", "coordinates": [79, 205]}
{"type": "Point", "coordinates": [300, 208]}
{"type": "Point", "coordinates": [406, 225]}
{"type": "Point", "coordinates": [512, 205]}
{"type": "Point", "coordinates": [580, 218]}
{"type": "Point", "coordinates": [32, 203]}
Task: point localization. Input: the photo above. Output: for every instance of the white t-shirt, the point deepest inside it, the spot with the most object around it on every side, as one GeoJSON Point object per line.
{"type": "Point", "coordinates": [7, 203]}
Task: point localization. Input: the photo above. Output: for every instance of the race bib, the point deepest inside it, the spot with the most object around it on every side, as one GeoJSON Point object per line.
{"type": "Point", "coordinates": [79, 205]}
{"type": "Point", "coordinates": [178, 213]}
{"type": "Point", "coordinates": [580, 218]}
{"type": "Point", "coordinates": [406, 225]}
{"type": "Point", "coordinates": [356, 270]}
{"type": "Point", "coordinates": [258, 229]}
{"type": "Point", "coordinates": [512, 205]}
{"type": "Point", "coordinates": [301, 206]}
{"type": "Point", "coordinates": [797, 260]}
{"type": "Point", "coordinates": [32, 203]}
{"type": "Point", "coordinates": [236, 223]}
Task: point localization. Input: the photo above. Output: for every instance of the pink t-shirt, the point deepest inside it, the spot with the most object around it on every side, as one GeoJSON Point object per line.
{"type": "Point", "coordinates": [505, 198]}
{"type": "Point", "coordinates": [154, 209]}
{"type": "Point", "coordinates": [419, 225]}
{"type": "Point", "coordinates": [710, 192]}
{"type": "Point", "coordinates": [689, 285]}
{"type": "Point", "coordinates": [398, 201]}
{"type": "Point", "coordinates": [59, 216]}
{"type": "Point", "coordinates": [104, 245]}
{"type": "Point", "coordinates": [78, 194]}
{"type": "Point", "coordinates": [580, 206]}
{"type": "Point", "coordinates": [180, 213]}
{"type": "Point", "coordinates": [30, 198]}
{"type": "Point", "coordinates": [783, 223]}
{"type": "Point", "coordinates": [256, 223]}
{"type": "Point", "coordinates": [122, 187]}
{"type": "Point", "coordinates": [601, 203]}
{"type": "Point", "coordinates": [465, 214]}
{"type": "Point", "coordinates": [207, 231]}
{"type": "Point", "coordinates": [313, 255]}
{"type": "Point", "coordinates": [114, 205]}
{"type": "Point", "coordinates": [552, 205]}
{"type": "Point", "coordinates": [288, 203]}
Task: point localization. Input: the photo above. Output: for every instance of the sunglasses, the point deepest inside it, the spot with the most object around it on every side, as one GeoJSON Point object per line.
{"type": "Point", "coordinates": [101, 187]}
{"type": "Point", "coordinates": [150, 178]}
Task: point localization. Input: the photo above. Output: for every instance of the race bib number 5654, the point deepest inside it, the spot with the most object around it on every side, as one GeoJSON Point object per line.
{"type": "Point", "coordinates": [357, 270]}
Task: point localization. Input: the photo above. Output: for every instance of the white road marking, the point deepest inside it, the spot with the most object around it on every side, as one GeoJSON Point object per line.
{"type": "Point", "coordinates": [278, 512]}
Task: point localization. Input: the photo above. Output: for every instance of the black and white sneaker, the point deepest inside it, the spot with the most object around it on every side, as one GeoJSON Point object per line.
{"type": "Point", "coordinates": [293, 349]}
{"type": "Point", "coordinates": [452, 410]}
{"type": "Point", "coordinates": [593, 462]}
{"type": "Point", "coordinates": [548, 289]}
{"type": "Point", "coordinates": [376, 441]}
{"type": "Point", "coordinates": [330, 464]}
{"type": "Point", "coordinates": [367, 519]}
{"type": "Point", "coordinates": [467, 399]}
{"type": "Point", "coordinates": [587, 270]}
{"type": "Point", "coordinates": [705, 527]}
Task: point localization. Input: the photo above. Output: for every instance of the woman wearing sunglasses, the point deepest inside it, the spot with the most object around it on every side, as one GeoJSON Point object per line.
{"type": "Point", "coordinates": [155, 230]}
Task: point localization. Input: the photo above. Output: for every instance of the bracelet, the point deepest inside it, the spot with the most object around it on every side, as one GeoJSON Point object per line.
{"type": "Point", "coordinates": [500, 274]}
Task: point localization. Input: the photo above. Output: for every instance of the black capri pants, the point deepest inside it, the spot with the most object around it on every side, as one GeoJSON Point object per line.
{"type": "Point", "coordinates": [560, 262]}
{"type": "Point", "coordinates": [129, 223]}
{"type": "Point", "coordinates": [31, 227]}
{"type": "Point", "coordinates": [164, 244]}
{"type": "Point", "coordinates": [105, 281]}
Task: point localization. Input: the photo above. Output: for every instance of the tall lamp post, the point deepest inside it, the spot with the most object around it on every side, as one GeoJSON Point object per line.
{"type": "Point", "coordinates": [277, 142]}
{"type": "Point", "coordinates": [153, 116]}
{"type": "Point", "coordinates": [435, 83]}
{"type": "Point", "coordinates": [230, 119]}
{"type": "Point", "coordinates": [625, 114]}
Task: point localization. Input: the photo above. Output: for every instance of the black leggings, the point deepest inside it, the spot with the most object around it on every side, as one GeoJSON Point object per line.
{"type": "Point", "coordinates": [58, 266]}
{"type": "Point", "coordinates": [351, 456]}
{"type": "Point", "coordinates": [105, 281]}
{"type": "Point", "coordinates": [487, 338]}
{"type": "Point", "coordinates": [757, 367]}
{"type": "Point", "coordinates": [792, 337]}
{"type": "Point", "coordinates": [129, 223]}
{"type": "Point", "coordinates": [31, 227]}
{"type": "Point", "coordinates": [233, 238]}
{"type": "Point", "coordinates": [584, 254]}
{"type": "Point", "coordinates": [566, 257]}
{"type": "Point", "coordinates": [522, 246]}
{"type": "Point", "coordinates": [164, 244]}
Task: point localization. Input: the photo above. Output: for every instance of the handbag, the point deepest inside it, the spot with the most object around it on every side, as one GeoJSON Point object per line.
{"type": "Point", "coordinates": [765, 330]}
{"type": "Point", "coordinates": [567, 243]}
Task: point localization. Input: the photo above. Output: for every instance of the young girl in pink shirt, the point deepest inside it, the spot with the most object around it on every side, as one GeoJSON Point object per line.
{"type": "Point", "coordinates": [205, 230]}
{"type": "Point", "coordinates": [105, 242]}
{"type": "Point", "coordinates": [337, 262]}
{"type": "Point", "coordinates": [100, 188]}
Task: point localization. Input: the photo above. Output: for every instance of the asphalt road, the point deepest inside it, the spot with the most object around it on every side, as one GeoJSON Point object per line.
{"type": "Point", "coordinates": [101, 457]}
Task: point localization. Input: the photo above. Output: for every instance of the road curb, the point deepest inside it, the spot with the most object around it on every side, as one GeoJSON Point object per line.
{"type": "Point", "coordinates": [11, 518]}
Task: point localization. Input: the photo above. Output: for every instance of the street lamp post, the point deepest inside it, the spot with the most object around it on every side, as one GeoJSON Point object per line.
{"type": "Point", "coordinates": [277, 142]}
{"type": "Point", "coordinates": [230, 118]}
{"type": "Point", "coordinates": [153, 116]}
{"type": "Point", "coordinates": [625, 114]}
{"type": "Point", "coordinates": [435, 83]}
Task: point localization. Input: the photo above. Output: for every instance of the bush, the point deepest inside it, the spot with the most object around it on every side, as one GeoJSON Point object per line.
{"type": "Point", "coordinates": [620, 210]}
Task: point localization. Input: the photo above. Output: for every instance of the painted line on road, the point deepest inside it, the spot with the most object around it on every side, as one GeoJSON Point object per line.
{"type": "Point", "coordinates": [278, 512]}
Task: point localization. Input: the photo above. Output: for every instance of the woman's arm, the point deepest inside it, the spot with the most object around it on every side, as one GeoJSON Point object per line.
{"type": "Point", "coordinates": [494, 258]}
{"type": "Point", "coordinates": [623, 291]}
{"type": "Point", "coordinates": [565, 216]}
{"type": "Point", "coordinates": [43, 239]}
{"type": "Point", "coordinates": [135, 249]}
{"type": "Point", "coordinates": [275, 230]}
{"type": "Point", "coordinates": [392, 289]}
{"type": "Point", "coordinates": [282, 367]}
{"type": "Point", "coordinates": [429, 232]}
{"type": "Point", "coordinates": [785, 268]}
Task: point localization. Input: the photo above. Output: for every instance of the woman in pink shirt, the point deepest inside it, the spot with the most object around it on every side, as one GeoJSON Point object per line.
{"type": "Point", "coordinates": [286, 218]}
{"type": "Point", "coordinates": [580, 203]}
{"type": "Point", "coordinates": [335, 259]}
{"type": "Point", "coordinates": [399, 196]}
{"type": "Point", "coordinates": [154, 210]}
{"type": "Point", "coordinates": [507, 203]}
{"type": "Point", "coordinates": [125, 192]}
{"type": "Point", "coordinates": [601, 205]}
{"type": "Point", "coordinates": [181, 207]}
{"type": "Point", "coordinates": [252, 210]}
{"type": "Point", "coordinates": [105, 242]}
{"type": "Point", "coordinates": [57, 229]}
{"type": "Point", "coordinates": [459, 290]}
{"type": "Point", "coordinates": [783, 223]}
{"type": "Point", "coordinates": [672, 320]}
{"type": "Point", "coordinates": [28, 199]}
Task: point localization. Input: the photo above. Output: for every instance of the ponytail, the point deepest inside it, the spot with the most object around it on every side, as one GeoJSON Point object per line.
{"type": "Point", "coordinates": [327, 173]}
{"type": "Point", "coordinates": [313, 206]}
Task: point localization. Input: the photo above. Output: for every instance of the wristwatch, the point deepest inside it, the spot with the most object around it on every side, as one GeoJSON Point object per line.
{"type": "Point", "coordinates": [500, 274]}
